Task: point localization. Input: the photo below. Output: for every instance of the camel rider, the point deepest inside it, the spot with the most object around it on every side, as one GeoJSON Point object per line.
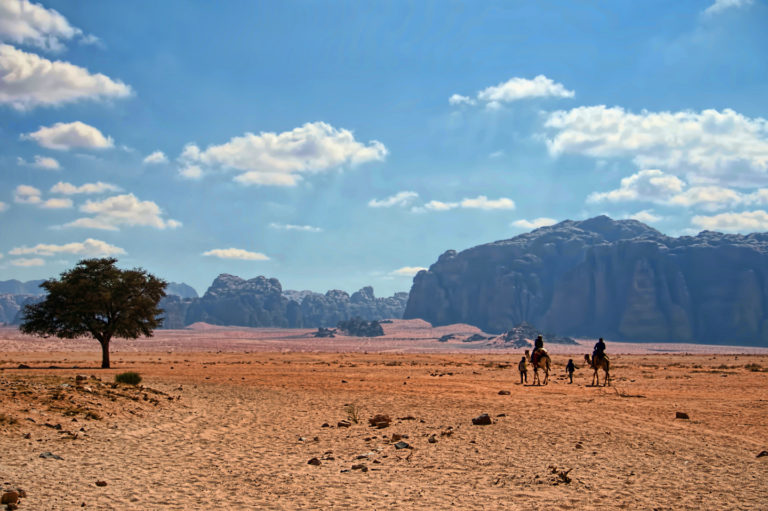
{"type": "Point", "coordinates": [538, 346]}
{"type": "Point", "coordinates": [599, 351]}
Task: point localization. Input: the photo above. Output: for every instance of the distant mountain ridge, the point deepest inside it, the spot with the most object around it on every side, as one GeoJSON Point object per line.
{"type": "Point", "coordinates": [261, 302]}
{"type": "Point", "coordinates": [600, 277]}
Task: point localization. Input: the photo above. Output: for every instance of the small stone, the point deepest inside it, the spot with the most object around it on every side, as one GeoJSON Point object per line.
{"type": "Point", "coordinates": [344, 424]}
{"type": "Point", "coordinates": [9, 497]}
{"type": "Point", "coordinates": [502, 415]}
{"type": "Point", "coordinates": [11, 507]}
{"type": "Point", "coordinates": [344, 381]}
{"type": "Point", "coordinates": [681, 415]}
{"type": "Point", "coordinates": [50, 456]}
{"type": "Point", "coordinates": [579, 446]}
{"type": "Point", "coordinates": [432, 440]}
{"type": "Point", "coordinates": [396, 437]}
{"type": "Point", "coordinates": [81, 377]}
{"type": "Point", "coordinates": [101, 483]}
{"type": "Point", "coordinates": [482, 420]}
{"type": "Point", "coordinates": [314, 461]}
{"type": "Point", "coordinates": [360, 467]}
{"type": "Point", "coordinates": [504, 392]}
{"type": "Point", "coordinates": [325, 425]}
{"type": "Point", "coordinates": [762, 454]}
{"type": "Point", "coordinates": [402, 445]}
{"type": "Point", "coordinates": [23, 366]}
{"type": "Point", "coordinates": [28, 436]}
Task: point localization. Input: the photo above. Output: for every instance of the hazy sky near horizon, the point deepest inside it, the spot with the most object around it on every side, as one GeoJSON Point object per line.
{"type": "Point", "coordinates": [343, 144]}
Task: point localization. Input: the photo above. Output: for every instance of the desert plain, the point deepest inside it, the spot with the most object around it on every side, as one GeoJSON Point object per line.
{"type": "Point", "coordinates": [229, 418]}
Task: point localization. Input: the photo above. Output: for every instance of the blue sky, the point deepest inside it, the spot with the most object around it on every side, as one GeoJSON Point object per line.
{"type": "Point", "coordinates": [343, 144]}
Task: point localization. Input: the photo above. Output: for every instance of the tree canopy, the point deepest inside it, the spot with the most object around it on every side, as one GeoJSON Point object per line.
{"type": "Point", "coordinates": [97, 299]}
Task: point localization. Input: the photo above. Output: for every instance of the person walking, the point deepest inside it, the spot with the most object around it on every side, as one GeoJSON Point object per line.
{"type": "Point", "coordinates": [570, 368]}
{"type": "Point", "coordinates": [522, 366]}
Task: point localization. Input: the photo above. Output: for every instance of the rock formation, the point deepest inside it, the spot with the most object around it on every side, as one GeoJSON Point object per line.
{"type": "Point", "coordinates": [599, 277]}
{"type": "Point", "coordinates": [261, 302]}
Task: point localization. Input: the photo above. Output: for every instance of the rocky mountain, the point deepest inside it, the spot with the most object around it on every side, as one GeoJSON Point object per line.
{"type": "Point", "coordinates": [181, 290]}
{"type": "Point", "coordinates": [599, 277]}
{"type": "Point", "coordinates": [257, 302]}
{"type": "Point", "coordinates": [16, 287]}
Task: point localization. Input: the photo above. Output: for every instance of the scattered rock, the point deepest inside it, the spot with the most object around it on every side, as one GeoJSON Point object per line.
{"type": "Point", "coordinates": [681, 415]}
{"type": "Point", "coordinates": [51, 456]}
{"type": "Point", "coordinates": [325, 425]}
{"type": "Point", "coordinates": [9, 497]}
{"type": "Point", "coordinates": [344, 424]}
{"type": "Point", "coordinates": [403, 445]}
{"type": "Point", "coordinates": [23, 366]}
{"type": "Point", "coordinates": [396, 437]}
{"type": "Point", "coordinates": [482, 420]}
{"type": "Point", "coordinates": [407, 417]}
{"type": "Point", "coordinates": [360, 467]}
{"type": "Point", "coordinates": [504, 393]}
{"type": "Point", "coordinates": [432, 440]}
{"type": "Point", "coordinates": [81, 377]}
{"type": "Point", "coordinates": [579, 446]}
{"type": "Point", "coordinates": [380, 421]}
{"type": "Point", "coordinates": [762, 453]}
{"type": "Point", "coordinates": [28, 436]}
{"type": "Point", "coordinates": [502, 415]}
{"type": "Point", "coordinates": [101, 483]}
{"type": "Point", "coordinates": [314, 461]}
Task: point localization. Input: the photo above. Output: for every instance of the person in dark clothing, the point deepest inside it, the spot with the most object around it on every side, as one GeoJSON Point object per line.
{"type": "Point", "coordinates": [538, 345]}
{"type": "Point", "coordinates": [599, 351]}
{"type": "Point", "coordinates": [570, 368]}
{"type": "Point", "coordinates": [522, 366]}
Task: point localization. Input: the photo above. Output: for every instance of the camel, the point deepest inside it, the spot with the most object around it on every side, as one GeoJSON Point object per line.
{"type": "Point", "coordinates": [598, 363]}
{"type": "Point", "coordinates": [542, 363]}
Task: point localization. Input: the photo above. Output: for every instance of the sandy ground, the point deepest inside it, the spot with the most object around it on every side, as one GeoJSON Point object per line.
{"type": "Point", "coordinates": [224, 422]}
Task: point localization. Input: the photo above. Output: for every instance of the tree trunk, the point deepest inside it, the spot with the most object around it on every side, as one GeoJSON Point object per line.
{"type": "Point", "coordinates": [104, 353]}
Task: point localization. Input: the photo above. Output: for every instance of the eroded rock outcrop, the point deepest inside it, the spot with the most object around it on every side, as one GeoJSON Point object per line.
{"type": "Point", "coordinates": [600, 277]}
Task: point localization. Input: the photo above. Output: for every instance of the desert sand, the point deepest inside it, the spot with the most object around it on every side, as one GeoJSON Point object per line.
{"type": "Point", "coordinates": [229, 419]}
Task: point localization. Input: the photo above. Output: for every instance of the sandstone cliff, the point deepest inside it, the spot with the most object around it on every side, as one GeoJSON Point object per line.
{"type": "Point", "coordinates": [599, 277]}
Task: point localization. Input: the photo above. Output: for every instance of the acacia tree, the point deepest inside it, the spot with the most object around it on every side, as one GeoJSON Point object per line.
{"type": "Point", "coordinates": [97, 299]}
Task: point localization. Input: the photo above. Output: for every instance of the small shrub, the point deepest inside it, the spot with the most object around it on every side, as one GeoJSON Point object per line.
{"type": "Point", "coordinates": [353, 413]}
{"type": "Point", "coordinates": [129, 378]}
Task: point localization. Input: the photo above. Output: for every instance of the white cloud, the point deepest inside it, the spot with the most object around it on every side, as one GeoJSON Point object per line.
{"type": "Point", "coordinates": [479, 202]}
{"type": "Point", "coordinates": [660, 188]}
{"type": "Point", "coordinates": [407, 271]}
{"type": "Point", "coordinates": [483, 202]}
{"type": "Point", "coordinates": [496, 154]}
{"type": "Point", "coordinates": [3, 206]}
{"type": "Point", "coordinates": [280, 159]}
{"type": "Point", "coordinates": [64, 136]}
{"type": "Point", "coordinates": [25, 194]}
{"type": "Point", "coordinates": [25, 262]}
{"type": "Point", "coordinates": [712, 146]}
{"type": "Point", "coordinates": [111, 213]}
{"type": "Point", "coordinates": [646, 216]}
{"type": "Point", "coordinates": [535, 223]}
{"type": "Point", "coordinates": [292, 227]}
{"type": "Point", "coordinates": [28, 80]}
{"type": "Point", "coordinates": [22, 22]}
{"type": "Point", "coordinates": [516, 89]}
{"type": "Point", "coordinates": [156, 157]}
{"type": "Point", "coordinates": [436, 205]}
{"type": "Point", "coordinates": [41, 162]}
{"type": "Point", "coordinates": [648, 185]}
{"type": "Point", "coordinates": [398, 199]}
{"type": "Point", "coordinates": [458, 99]}
{"type": "Point", "coordinates": [191, 172]}
{"type": "Point", "coordinates": [710, 198]}
{"type": "Point", "coordinates": [746, 221]}
{"type": "Point", "coordinates": [88, 188]}
{"type": "Point", "coordinates": [722, 5]}
{"type": "Point", "coordinates": [90, 248]}
{"type": "Point", "coordinates": [236, 253]}
{"type": "Point", "coordinates": [57, 204]}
